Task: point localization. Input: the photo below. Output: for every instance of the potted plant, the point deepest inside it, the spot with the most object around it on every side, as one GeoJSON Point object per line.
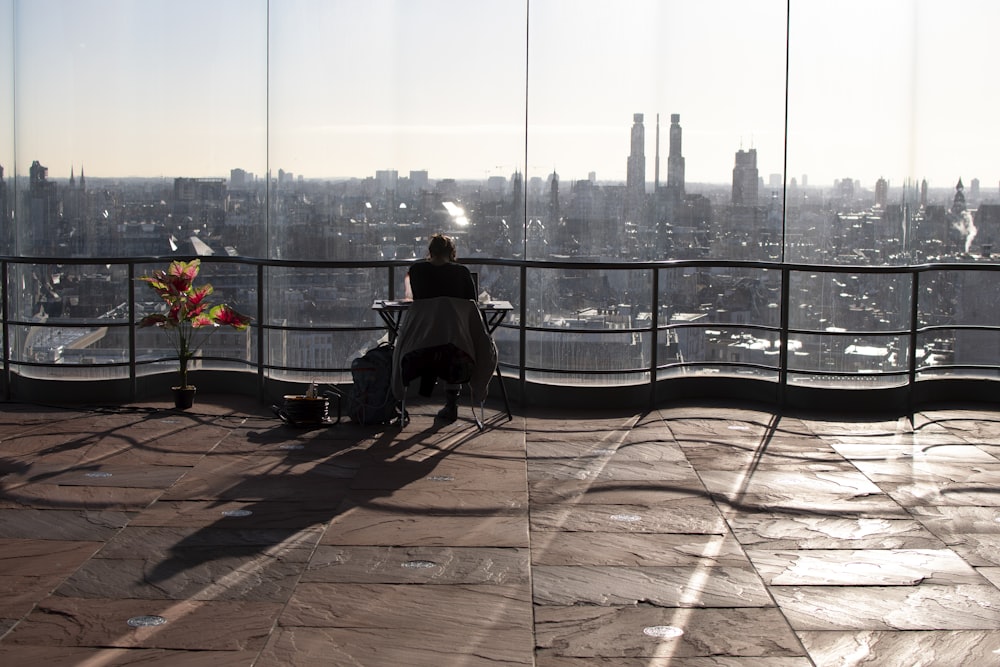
{"type": "Point", "coordinates": [188, 319]}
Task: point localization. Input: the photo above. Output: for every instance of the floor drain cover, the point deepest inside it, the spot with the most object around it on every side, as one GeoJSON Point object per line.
{"type": "Point", "coordinates": [146, 621]}
{"type": "Point", "coordinates": [662, 631]}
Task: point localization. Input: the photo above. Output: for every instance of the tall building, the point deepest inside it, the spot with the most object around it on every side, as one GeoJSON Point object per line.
{"type": "Point", "coordinates": [675, 160]}
{"type": "Point", "coordinates": [745, 178]}
{"type": "Point", "coordinates": [635, 179]}
{"type": "Point", "coordinates": [43, 212]}
{"type": "Point", "coordinates": [881, 192]}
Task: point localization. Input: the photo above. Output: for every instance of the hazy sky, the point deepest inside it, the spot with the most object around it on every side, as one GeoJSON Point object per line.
{"type": "Point", "coordinates": [894, 88]}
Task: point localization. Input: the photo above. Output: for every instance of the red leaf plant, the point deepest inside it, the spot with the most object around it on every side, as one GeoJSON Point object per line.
{"type": "Point", "coordinates": [187, 318]}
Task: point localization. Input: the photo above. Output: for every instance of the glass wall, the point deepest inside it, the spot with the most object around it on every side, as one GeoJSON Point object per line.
{"type": "Point", "coordinates": [566, 139]}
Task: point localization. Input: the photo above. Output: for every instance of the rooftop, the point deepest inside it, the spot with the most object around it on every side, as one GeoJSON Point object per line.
{"type": "Point", "coordinates": [692, 535]}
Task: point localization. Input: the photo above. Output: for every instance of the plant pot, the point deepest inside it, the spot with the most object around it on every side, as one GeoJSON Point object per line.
{"type": "Point", "coordinates": [304, 410]}
{"type": "Point", "coordinates": [184, 397]}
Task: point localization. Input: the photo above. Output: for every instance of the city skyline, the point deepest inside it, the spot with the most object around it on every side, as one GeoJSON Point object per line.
{"type": "Point", "coordinates": [422, 86]}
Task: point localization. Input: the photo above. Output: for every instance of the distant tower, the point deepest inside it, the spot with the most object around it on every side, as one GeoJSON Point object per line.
{"type": "Point", "coordinates": [675, 161]}
{"type": "Point", "coordinates": [881, 192]}
{"type": "Point", "coordinates": [656, 168]}
{"type": "Point", "coordinates": [745, 178]}
{"type": "Point", "coordinates": [958, 204]}
{"type": "Point", "coordinates": [554, 197]}
{"type": "Point", "coordinates": [635, 179]}
{"type": "Point", "coordinates": [923, 193]}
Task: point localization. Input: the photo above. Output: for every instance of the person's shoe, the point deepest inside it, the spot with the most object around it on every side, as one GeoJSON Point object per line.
{"type": "Point", "coordinates": [449, 412]}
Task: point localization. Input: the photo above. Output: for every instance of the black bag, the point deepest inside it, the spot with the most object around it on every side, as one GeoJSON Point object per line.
{"type": "Point", "coordinates": [370, 400]}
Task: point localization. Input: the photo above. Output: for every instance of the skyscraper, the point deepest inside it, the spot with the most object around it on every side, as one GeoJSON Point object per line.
{"type": "Point", "coordinates": [745, 178]}
{"type": "Point", "coordinates": [675, 161]}
{"type": "Point", "coordinates": [635, 179]}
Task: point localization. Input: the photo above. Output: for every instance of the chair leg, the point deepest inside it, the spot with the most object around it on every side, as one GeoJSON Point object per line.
{"type": "Point", "coordinates": [479, 418]}
{"type": "Point", "coordinates": [403, 417]}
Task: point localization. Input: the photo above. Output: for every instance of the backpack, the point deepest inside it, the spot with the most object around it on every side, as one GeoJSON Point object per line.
{"type": "Point", "coordinates": [370, 399]}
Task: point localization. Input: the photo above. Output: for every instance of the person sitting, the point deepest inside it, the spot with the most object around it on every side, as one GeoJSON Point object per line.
{"type": "Point", "coordinates": [440, 275]}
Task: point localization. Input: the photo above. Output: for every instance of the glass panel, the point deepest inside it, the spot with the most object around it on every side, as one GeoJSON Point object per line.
{"type": "Point", "coordinates": [957, 347]}
{"type": "Point", "coordinates": [78, 314]}
{"type": "Point", "coordinates": [68, 345]}
{"type": "Point", "coordinates": [130, 118]}
{"type": "Point", "coordinates": [7, 159]}
{"type": "Point", "coordinates": [587, 298]}
{"type": "Point", "coordinates": [959, 297]}
{"type": "Point", "coordinates": [709, 370]}
{"type": "Point", "coordinates": [635, 151]}
{"type": "Point", "coordinates": [889, 169]}
{"type": "Point", "coordinates": [700, 344]}
{"type": "Point", "coordinates": [836, 354]}
{"type": "Point", "coordinates": [724, 295]}
{"type": "Point", "coordinates": [392, 120]}
{"type": "Point", "coordinates": [849, 301]}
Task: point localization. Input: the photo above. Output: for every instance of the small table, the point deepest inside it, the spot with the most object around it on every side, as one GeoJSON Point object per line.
{"type": "Point", "coordinates": [493, 313]}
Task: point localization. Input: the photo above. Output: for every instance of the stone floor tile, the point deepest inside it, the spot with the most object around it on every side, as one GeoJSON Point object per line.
{"type": "Point", "coordinates": [101, 474]}
{"type": "Point", "coordinates": [788, 482]}
{"type": "Point", "coordinates": [691, 586]}
{"type": "Point", "coordinates": [545, 491]}
{"type": "Point", "coordinates": [375, 647]}
{"type": "Point", "coordinates": [916, 455]}
{"type": "Point", "coordinates": [92, 498]}
{"type": "Point", "coordinates": [648, 631]}
{"type": "Point", "coordinates": [385, 527]}
{"type": "Point", "coordinates": [949, 520]}
{"type": "Point", "coordinates": [795, 503]}
{"type": "Point", "coordinates": [418, 565]}
{"type": "Point", "coordinates": [291, 516]}
{"type": "Point", "coordinates": [924, 607]}
{"type": "Point", "coordinates": [546, 658]}
{"type": "Point", "coordinates": [205, 573]}
{"type": "Point", "coordinates": [679, 471]}
{"type": "Point", "coordinates": [431, 609]}
{"type": "Point", "coordinates": [687, 515]}
{"type": "Point", "coordinates": [250, 478]}
{"type": "Point", "coordinates": [30, 569]}
{"type": "Point", "coordinates": [438, 496]}
{"type": "Point", "coordinates": [459, 470]}
{"type": "Point", "coordinates": [53, 656]}
{"type": "Point", "coordinates": [991, 573]}
{"type": "Point", "coordinates": [767, 530]}
{"type": "Point", "coordinates": [190, 625]}
{"type": "Point", "coordinates": [636, 549]}
{"type": "Point", "coordinates": [95, 525]}
{"type": "Point", "coordinates": [862, 567]}
{"type": "Point", "coordinates": [903, 649]}
{"type": "Point", "coordinates": [977, 548]}
{"type": "Point", "coordinates": [942, 492]}
{"type": "Point", "coordinates": [157, 541]}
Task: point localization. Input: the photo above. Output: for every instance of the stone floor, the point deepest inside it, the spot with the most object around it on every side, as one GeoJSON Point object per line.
{"type": "Point", "coordinates": [698, 535]}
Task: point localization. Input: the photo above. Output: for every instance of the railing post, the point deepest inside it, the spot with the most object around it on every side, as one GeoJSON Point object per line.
{"type": "Point", "coordinates": [522, 342]}
{"type": "Point", "coordinates": [4, 267]}
{"type": "Point", "coordinates": [914, 324]}
{"type": "Point", "coordinates": [132, 374]}
{"type": "Point", "coordinates": [260, 331]}
{"type": "Point", "coordinates": [783, 338]}
{"type": "Point", "coordinates": [654, 327]}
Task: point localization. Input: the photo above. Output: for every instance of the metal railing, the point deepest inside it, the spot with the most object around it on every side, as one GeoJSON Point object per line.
{"type": "Point", "coordinates": [520, 332]}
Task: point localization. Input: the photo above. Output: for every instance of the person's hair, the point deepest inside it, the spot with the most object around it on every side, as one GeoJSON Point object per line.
{"type": "Point", "coordinates": [442, 246]}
